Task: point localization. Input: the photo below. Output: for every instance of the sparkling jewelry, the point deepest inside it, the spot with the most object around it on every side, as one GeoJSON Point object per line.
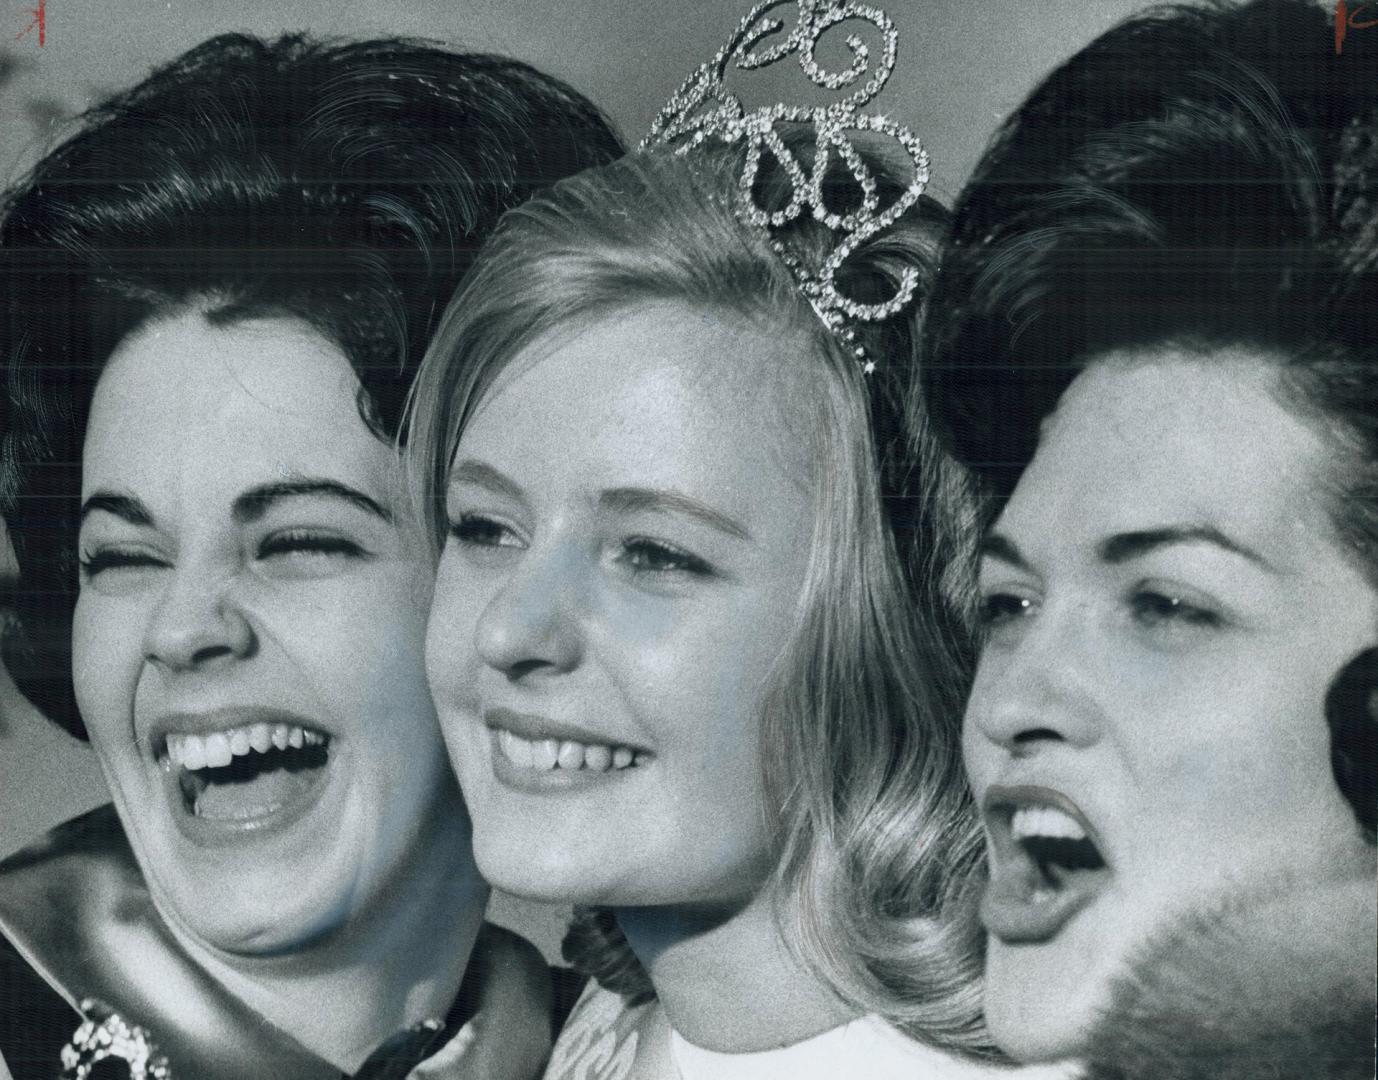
{"type": "Point", "coordinates": [703, 108]}
{"type": "Point", "coordinates": [111, 1038]}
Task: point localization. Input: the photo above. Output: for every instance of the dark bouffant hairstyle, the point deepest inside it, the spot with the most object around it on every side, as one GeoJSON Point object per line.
{"type": "Point", "coordinates": [344, 184]}
{"type": "Point", "coordinates": [1200, 176]}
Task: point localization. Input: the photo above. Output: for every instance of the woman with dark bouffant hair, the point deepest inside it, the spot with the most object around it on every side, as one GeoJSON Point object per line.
{"type": "Point", "coordinates": [1154, 338]}
{"type": "Point", "coordinates": [216, 293]}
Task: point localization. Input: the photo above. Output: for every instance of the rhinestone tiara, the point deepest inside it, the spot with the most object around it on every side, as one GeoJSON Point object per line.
{"type": "Point", "coordinates": [703, 108]}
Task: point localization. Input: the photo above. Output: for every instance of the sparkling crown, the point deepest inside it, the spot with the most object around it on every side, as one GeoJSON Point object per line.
{"type": "Point", "coordinates": [704, 108]}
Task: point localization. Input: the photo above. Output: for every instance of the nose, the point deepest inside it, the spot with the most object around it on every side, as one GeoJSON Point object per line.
{"type": "Point", "coordinates": [533, 623]}
{"type": "Point", "coordinates": [197, 623]}
{"type": "Point", "coordinates": [1042, 688]}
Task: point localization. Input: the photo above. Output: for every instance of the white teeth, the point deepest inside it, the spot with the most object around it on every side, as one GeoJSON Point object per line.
{"type": "Point", "coordinates": [217, 749]}
{"type": "Point", "coordinates": [571, 755]}
{"type": "Point", "coordinates": [193, 751]}
{"type": "Point", "coordinates": [546, 755]}
{"type": "Point", "coordinates": [1030, 821]}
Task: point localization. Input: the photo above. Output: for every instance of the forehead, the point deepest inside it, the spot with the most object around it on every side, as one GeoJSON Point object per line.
{"type": "Point", "coordinates": [182, 402]}
{"type": "Point", "coordinates": [656, 392]}
{"type": "Point", "coordinates": [1146, 439]}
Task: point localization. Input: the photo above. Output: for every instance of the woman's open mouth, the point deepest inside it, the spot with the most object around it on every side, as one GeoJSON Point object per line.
{"type": "Point", "coordinates": [1046, 863]}
{"type": "Point", "coordinates": [245, 775]}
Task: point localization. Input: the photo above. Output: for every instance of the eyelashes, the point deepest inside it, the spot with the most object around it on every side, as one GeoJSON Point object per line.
{"type": "Point", "coordinates": [639, 554]}
{"type": "Point", "coordinates": [114, 558]}
{"type": "Point", "coordinates": [1155, 608]}
{"type": "Point", "coordinates": [1163, 608]}
{"type": "Point", "coordinates": [288, 546]}
{"type": "Point", "coordinates": [644, 555]}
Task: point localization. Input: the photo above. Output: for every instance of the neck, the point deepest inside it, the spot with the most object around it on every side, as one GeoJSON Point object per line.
{"type": "Point", "coordinates": [726, 979]}
{"type": "Point", "coordinates": [388, 969]}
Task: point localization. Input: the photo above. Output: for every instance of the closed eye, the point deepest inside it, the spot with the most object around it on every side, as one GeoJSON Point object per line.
{"type": "Point", "coordinates": [309, 543]}
{"type": "Point", "coordinates": [116, 558]}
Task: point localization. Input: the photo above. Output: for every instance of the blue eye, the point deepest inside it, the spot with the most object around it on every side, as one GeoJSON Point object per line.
{"type": "Point", "coordinates": [654, 556]}
{"type": "Point", "coordinates": [479, 530]}
{"type": "Point", "coordinates": [1161, 608]}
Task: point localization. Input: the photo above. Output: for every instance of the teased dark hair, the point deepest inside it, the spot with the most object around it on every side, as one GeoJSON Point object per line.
{"type": "Point", "coordinates": [344, 184]}
{"type": "Point", "coordinates": [1200, 176]}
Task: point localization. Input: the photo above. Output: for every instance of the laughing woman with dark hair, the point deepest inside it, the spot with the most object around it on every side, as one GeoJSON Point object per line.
{"type": "Point", "coordinates": [216, 294]}
{"type": "Point", "coordinates": [1155, 337]}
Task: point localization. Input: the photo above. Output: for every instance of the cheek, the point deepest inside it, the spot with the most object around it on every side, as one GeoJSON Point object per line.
{"type": "Point", "coordinates": [456, 604]}
{"type": "Point", "coordinates": [106, 661]}
{"type": "Point", "coordinates": [364, 659]}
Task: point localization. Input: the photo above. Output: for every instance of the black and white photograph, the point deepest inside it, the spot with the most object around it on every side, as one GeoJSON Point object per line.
{"type": "Point", "coordinates": [645, 540]}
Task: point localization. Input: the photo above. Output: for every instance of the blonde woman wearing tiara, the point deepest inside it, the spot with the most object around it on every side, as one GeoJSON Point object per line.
{"type": "Point", "coordinates": [687, 645]}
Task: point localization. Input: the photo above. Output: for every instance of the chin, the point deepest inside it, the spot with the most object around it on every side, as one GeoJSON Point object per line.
{"type": "Point", "coordinates": [516, 866]}
{"type": "Point", "coordinates": [283, 912]}
{"type": "Point", "coordinates": [1034, 1011]}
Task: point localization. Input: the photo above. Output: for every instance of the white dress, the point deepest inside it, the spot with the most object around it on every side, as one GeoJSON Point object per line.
{"type": "Point", "coordinates": [605, 1040]}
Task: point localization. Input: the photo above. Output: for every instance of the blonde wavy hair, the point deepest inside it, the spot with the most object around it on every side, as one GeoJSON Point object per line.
{"type": "Point", "coordinates": [879, 847]}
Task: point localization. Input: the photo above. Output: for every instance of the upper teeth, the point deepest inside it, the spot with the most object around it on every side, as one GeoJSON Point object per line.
{"type": "Point", "coordinates": [219, 748]}
{"type": "Point", "coordinates": [548, 754]}
{"type": "Point", "coordinates": [1029, 821]}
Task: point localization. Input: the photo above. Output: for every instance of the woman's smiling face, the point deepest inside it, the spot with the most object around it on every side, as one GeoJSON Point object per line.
{"type": "Point", "coordinates": [631, 523]}
{"type": "Point", "coordinates": [248, 638]}
{"type": "Point", "coordinates": [1168, 603]}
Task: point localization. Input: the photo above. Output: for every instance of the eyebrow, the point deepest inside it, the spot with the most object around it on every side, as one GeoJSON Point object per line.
{"type": "Point", "coordinates": [1125, 547]}
{"type": "Point", "coordinates": [995, 546]}
{"type": "Point", "coordinates": [255, 502]}
{"type": "Point", "coordinates": [487, 477]}
{"type": "Point", "coordinates": [632, 500]}
{"type": "Point", "coordinates": [125, 507]}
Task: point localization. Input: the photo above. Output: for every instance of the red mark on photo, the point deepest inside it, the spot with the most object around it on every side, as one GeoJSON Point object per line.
{"type": "Point", "coordinates": [40, 20]}
{"type": "Point", "coordinates": [1347, 20]}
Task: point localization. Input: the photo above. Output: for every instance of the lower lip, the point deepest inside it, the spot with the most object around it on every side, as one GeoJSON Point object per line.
{"type": "Point", "coordinates": [1020, 909]}
{"type": "Point", "coordinates": [549, 781]}
{"type": "Point", "coordinates": [271, 823]}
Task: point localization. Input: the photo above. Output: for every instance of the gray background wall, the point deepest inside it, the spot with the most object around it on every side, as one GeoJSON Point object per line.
{"type": "Point", "coordinates": [962, 67]}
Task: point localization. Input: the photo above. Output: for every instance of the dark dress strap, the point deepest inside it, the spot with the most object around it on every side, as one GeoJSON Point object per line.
{"type": "Point", "coordinates": [35, 1021]}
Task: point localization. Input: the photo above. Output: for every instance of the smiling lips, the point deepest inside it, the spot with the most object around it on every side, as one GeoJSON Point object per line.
{"type": "Point", "coordinates": [1045, 864]}
{"type": "Point", "coordinates": [219, 748]}
{"type": "Point", "coordinates": [251, 768]}
{"type": "Point", "coordinates": [546, 746]}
